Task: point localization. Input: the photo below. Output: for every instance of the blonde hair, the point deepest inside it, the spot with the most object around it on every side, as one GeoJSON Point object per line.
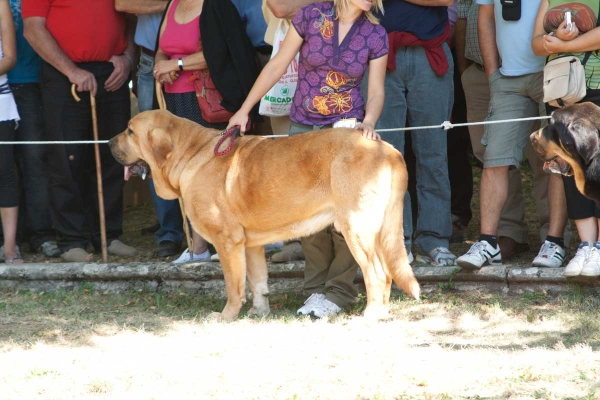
{"type": "Point", "coordinates": [343, 5]}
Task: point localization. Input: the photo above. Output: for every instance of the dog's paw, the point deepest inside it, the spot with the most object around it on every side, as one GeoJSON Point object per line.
{"type": "Point", "coordinates": [377, 313]}
{"type": "Point", "coordinates": [259, 312]}
{"type": "Point", "coordinates": [215, 316]}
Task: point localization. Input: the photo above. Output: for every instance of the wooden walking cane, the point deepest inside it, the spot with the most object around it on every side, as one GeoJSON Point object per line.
{"type": "Point", "coordinates": [98, 173]}
{"type": "Point", "coordinates": [163, 106]}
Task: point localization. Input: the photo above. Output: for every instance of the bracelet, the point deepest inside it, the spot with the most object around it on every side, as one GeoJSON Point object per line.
{"type": "Point", "coordinates": [180, 63]}
{"type": "Point", "coordinates": [129, 59]}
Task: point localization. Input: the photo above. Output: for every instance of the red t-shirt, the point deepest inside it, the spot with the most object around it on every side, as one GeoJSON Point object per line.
{"type": "Point", "coordinates": [86, 30]}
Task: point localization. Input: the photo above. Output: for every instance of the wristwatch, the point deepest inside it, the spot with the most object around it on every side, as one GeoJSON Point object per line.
{"type": "Point", "coordinates": [180, 64]}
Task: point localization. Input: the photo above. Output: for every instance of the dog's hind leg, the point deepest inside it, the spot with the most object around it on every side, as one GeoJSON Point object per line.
{"type": "Point", "coordinates": [257, 279]}
{"type": "Point", "coordinates": [377, 280]}
{"type": "Point", "coordinates": [233, 261]}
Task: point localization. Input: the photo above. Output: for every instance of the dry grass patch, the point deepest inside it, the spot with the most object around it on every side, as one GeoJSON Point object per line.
{"type": "Point", "coordinates": [87, 344]}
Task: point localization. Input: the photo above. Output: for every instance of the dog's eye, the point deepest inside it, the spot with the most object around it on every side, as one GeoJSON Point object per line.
{"type": "Point", "coordinates": [129, 131]}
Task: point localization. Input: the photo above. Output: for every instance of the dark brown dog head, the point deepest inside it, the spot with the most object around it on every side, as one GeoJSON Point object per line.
{"type": "Point", "coordinates": [154, 143]}
{"type": "Point", "coordinates": [570, 144]}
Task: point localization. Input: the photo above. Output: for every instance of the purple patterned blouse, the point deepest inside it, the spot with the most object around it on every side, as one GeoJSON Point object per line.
{"type": "Point", "coordinates": [330, 75]}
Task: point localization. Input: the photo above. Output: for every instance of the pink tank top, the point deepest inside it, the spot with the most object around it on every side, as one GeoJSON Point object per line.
{"type": "Point", "coordinates": [180, 40]}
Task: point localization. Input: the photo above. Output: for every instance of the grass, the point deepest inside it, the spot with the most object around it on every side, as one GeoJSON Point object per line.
{"type": "Point", "coordinates": [87, 344]}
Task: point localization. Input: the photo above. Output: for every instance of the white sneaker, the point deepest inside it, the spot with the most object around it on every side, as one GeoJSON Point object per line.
{"type": "Point", "coordinates": [551, 255]}
{"type": "Point", "coordinates": [215, 257]}
{"type": "Point", "coordinates": [481, 253]}
{"type": "Point", "coordinates": [592, 265]}
{"type": "Point", "coordinates": [325, 308]}
{"type": "Point", "coordinates": [411, 258]}
{"type": "Point", "coordinates": [314, 299]}
{"type": "Point", "coordinates": [186, 257]}
{"type": "Point", "coordinates": [576, 264]}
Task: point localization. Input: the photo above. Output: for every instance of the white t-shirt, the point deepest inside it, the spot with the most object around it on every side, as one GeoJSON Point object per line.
{"type": "Point", "coordinates": [8, 107]}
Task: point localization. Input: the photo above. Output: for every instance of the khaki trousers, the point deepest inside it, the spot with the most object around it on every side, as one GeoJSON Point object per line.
{"type": "Point", "coordinates": [330, 267]}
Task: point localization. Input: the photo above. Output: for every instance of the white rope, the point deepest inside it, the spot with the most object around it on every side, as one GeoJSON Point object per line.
{"type": "Point", "coordinates": [59, 142]}
{"type": "Point", "coordinates": [446, 125]}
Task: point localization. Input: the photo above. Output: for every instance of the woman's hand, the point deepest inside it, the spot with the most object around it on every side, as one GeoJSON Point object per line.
{"type": "Point", "coordinates": [368, 130]}
{"type": "Point", "coordinates": [240, 118]}
{"type": "Point", "coordinates": [163, 71]}
{"type": "Point", "coordinates": [554, 45]}
{"type": "Point", "coordinates": [565, 34]}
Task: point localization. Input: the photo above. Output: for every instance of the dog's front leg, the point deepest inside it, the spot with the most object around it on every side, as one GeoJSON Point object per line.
{"type": "Point", "coordinates": [257, 279]}
{"type": "Point", "coordinates": [233, 262]}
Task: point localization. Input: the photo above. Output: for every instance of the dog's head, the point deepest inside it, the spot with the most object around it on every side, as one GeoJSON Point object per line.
{"type": "Point", "coordinates": [570, 145]}
{"type": "Point", "coordinates": [148, 145]}
{"type": "Point", "coordinates": [570, 141]}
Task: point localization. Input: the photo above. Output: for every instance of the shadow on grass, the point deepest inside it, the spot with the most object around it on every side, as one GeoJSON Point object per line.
{"type": "Point", "coordinates": [72, 318]}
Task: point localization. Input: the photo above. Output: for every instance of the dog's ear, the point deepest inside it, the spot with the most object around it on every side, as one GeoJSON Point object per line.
{"type": "Point", "coordinates": [160, 145]}
{"type": "Point", "coordinates": [581, 139]}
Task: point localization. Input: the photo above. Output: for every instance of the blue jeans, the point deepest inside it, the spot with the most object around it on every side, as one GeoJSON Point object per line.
{"type": "Point", "coordinates": [414, 94]}
{"type": "Point", "coordinates": [33, 166]}
{"type": "Point", "coordinates": [167, 211]}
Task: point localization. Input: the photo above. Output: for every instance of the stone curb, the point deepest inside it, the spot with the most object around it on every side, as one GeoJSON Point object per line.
{"type": "Point", "coordinates": [207, 278]}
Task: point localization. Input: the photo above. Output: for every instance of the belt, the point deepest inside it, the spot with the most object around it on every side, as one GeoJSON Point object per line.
{"type": "Point", "coordinates": [148, 52]}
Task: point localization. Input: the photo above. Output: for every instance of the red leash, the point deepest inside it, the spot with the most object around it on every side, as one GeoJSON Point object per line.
{"type": "Point", "coordinates": [230, 133]}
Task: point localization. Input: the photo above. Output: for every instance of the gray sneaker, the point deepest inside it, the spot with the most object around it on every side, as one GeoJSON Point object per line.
{"type": "Point", "coordinates": [442, 256]}
{"type": "Point", "coordinates": [49, 249]}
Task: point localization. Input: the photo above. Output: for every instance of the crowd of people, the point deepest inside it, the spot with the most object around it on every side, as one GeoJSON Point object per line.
{"type": "Point", "coordinates": [374, 64]}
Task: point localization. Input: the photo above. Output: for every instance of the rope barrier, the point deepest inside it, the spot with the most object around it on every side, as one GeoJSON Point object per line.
{"type": "Point", "coordinates": [446, 125]}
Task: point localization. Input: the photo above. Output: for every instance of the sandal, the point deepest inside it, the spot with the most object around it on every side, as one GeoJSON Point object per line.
{"type": "Point", "coordinates": [18, 259]}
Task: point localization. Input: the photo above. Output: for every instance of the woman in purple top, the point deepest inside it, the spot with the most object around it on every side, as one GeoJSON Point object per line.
{"type": "Point", "coordinates": [337, 42]}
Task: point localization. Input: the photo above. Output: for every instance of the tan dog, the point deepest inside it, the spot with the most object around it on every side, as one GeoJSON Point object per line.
{"type": "Point", "coordinates": [245, 199]}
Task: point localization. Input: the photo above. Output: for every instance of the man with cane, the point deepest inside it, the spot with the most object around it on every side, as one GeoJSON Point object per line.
{"type": "Point", "coordinates": [88, 44]}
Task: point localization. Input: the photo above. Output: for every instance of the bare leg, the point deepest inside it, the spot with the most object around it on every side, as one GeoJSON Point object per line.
{"type": "Point", "coordinates": [198, 243]}
{"type": "Point", "coordinates": [557, 204]}
{"type": "Point", "coordinates": [9, 217]}
{"type": "Point", "coordinates": [494, 192]}
{"type": "Point", "coordinates": [587, 229]}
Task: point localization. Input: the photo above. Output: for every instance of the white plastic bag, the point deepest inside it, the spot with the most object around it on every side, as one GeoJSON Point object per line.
{"type": "Point", "coordinates": [278, 100]}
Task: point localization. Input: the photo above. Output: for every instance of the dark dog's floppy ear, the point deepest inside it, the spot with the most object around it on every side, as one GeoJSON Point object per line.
{"type": "Point", "coordinates": [580, 138]}
{"type": "Point", "coordinates": [160, 145]}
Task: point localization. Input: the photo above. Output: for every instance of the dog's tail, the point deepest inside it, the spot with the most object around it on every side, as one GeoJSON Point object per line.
{"type": "Point", "coordinates": [392, 250]}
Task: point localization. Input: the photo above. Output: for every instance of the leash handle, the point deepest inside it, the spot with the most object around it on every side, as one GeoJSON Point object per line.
{"type": "Point", "coordinates": [230, 133]}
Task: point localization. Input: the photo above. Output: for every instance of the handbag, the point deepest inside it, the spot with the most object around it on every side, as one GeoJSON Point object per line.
{"type": "Point", "coordinates": [564, 80]}
{"type": "Point", "coordinates": [209, 98]}
{"type": "Point", "coordinates": [277, 101]}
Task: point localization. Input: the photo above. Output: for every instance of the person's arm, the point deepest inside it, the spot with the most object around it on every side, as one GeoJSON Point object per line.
{"type": "Point", "coordinates": [375, 97]}
{"type": "Point", "coordinates": [288, 8]}
{"type": "Point", "coordinates": [430, 3]}
{"type": "Point", "coordinates": [9, 41]}
{"type": "Point", "coordinates": [166, 70]}
{"type": "Point", "coordinates": [460, 38]}
{"type": "Point", "coordinates": [140, 7]}
{"type": "Point", "coordinates": [123, 63]}
{"type": "Point", "coordinates": [45, 45]}
{"type": "Point", "coordinates": [270, 74]}
{"type": "Point", "coordinates": [486, 29]}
